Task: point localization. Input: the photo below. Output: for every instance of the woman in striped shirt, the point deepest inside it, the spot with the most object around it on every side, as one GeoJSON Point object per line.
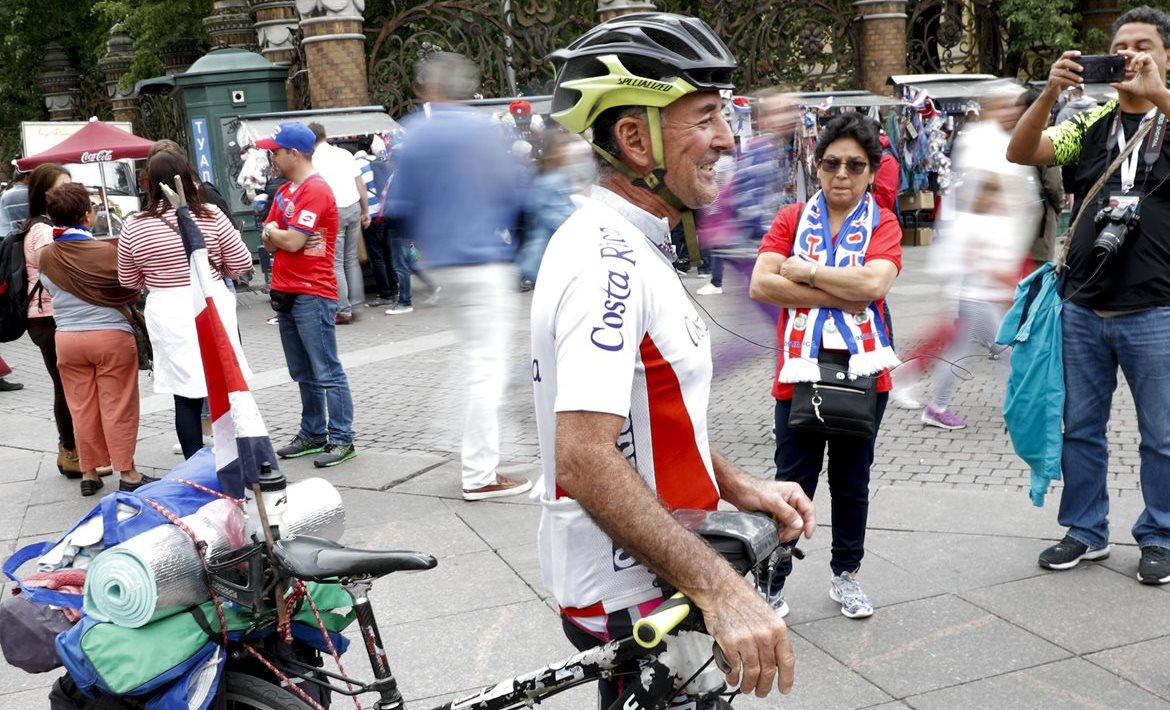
{"type": "Point", "coordinates": [151, 254]}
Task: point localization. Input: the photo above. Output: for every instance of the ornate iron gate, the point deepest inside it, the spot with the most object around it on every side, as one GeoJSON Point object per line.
{"type": "Point", "coordinates": [161, 115]}
{"type": "Point", "coordinates": [967, 36]}
{"type": "Point", "coordinates": [807, 45]}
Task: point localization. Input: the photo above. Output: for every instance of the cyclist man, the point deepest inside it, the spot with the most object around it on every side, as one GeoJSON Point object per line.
{"type": "Point", "coordinates": [622, 361]}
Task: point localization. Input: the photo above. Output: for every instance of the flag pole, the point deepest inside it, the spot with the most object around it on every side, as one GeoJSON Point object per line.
{"type": "Point", "coordinates": [257, 492]}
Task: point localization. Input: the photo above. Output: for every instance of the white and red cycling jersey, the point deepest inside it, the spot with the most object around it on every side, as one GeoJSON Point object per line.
{"type": "Point", "coordinates": [613, 331]}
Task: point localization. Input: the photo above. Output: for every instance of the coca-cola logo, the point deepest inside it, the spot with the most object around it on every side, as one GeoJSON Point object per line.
{"type": "Point", "coordinates": [97, 156]}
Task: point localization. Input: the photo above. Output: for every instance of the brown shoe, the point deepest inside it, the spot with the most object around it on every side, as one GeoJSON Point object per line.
{"type": "Point", "coordinates": [503, 486]}
{"type": "Point", "coordinates": [67, 462]}
{"type": "Point", "coordinates": [343, 318]}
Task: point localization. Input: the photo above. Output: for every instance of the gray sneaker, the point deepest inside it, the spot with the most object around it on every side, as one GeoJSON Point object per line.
{"type": "Point", "coordinates": [333, 454]}
{"type": "Point", "coordinates": [300, 447]}
{"type": "Point", "coordinates": [845, 590]}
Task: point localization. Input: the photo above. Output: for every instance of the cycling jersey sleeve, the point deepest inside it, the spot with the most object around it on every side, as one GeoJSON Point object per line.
{"type": "Point", "coordinates": [599, 326]}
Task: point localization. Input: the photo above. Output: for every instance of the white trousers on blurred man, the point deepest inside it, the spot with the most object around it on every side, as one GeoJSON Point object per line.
{"type": "Point", "coordinates": [483, 299]}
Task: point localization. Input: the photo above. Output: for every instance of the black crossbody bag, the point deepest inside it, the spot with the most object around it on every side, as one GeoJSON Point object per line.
{"type": "Point", "coordinates": [837, 404]}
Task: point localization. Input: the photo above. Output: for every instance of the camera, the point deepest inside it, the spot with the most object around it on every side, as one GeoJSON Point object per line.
{"type": "Point", "coordinates": [1114, 224]}
{"type": "Point", "coordinates": [1102, 68]}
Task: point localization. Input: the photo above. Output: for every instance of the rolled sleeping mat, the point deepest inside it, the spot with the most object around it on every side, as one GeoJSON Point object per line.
{"type": "Point", "coordinates": [159, 573]}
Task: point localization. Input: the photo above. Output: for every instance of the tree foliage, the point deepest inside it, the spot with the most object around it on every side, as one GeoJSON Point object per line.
{"type": "Point", "coordinates": [150, 23]}
{"type": "Point", "coordinates": [82, 28]}
{"type": "Point", "coordinates": [26, 28]}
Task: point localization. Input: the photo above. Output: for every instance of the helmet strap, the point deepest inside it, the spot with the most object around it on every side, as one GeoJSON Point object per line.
{"type": "Point", "coordinates": [655, 180]}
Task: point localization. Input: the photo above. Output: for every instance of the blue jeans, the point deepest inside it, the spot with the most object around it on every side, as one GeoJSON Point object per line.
{"type": "Point", "coordinates": [399, 254]}
{"type": "Point", "coordinates": [308, 333]}
{"type": "Point", "coordinates": [1094, 347]}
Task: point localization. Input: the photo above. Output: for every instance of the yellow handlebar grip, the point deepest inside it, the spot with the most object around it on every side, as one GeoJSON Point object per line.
{"type": "Point", "coordinates": [649, 630]}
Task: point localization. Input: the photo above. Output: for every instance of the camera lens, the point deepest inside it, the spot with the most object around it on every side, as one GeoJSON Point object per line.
{"type": "Point", "coordinates": [1109, 239]}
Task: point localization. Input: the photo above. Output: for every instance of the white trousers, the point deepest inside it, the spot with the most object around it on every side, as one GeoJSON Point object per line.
{"type": "Point", "coordinates": [484, 300]}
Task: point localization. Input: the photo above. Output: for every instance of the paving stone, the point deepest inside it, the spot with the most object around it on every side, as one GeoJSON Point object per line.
{"type": "Point", "coordinates": [1066, 606]}
{"type": "Point", "coordinates": [953, 562]}
{"type": "Point", "coordinates": [1071, 684]}
{"type": "Point", "coordinates": [498, 522]}
{"type": "Point", "coordinates": [821, 684]}
{"type": "Point", "coordinates": [1143, 664]}
{"type": "Point", "coordinates": [459, 584]}
{"type": "Point", "coordinates": [441, 534]}
{"type": "Point", "coordinates": [928, 644]}
{"type": "Point", "coordinates": [14, 498]}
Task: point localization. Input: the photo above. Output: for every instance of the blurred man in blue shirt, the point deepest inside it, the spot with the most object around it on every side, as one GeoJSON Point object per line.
{"type": "Point", "coordinates": [456, 194]}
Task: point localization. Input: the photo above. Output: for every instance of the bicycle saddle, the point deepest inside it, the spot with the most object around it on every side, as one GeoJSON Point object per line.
{"type": "Point", "coordinates": [316, 559]}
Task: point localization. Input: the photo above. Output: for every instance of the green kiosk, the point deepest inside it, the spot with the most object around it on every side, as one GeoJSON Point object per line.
{"type": "Point", "coordinates": [216, 89]}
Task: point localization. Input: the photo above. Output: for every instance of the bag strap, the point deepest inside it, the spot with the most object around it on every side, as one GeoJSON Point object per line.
{"type": "Point", "coordinates": [40, 595]}
{"type": "Point", "coordinates": [1130, 147]}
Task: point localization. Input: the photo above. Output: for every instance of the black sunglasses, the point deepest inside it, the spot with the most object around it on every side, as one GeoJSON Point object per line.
{"type": "Point", "coordinates": [854, 166]}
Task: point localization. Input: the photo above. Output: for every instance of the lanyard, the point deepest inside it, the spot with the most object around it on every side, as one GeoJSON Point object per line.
{"type": "Point", "coordinates": [1149, 154]}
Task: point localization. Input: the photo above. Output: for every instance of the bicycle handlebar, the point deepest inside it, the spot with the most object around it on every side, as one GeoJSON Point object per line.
{"type": "Point", "coordinates": [650, 630]}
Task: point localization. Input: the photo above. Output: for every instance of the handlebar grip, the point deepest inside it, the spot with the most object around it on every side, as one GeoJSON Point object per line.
{"type": "Point", "coordinates": [649, 630]}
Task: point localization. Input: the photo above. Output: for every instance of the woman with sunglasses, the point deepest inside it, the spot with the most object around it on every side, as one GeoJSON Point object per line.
{"type": "Point", "coordinates": [828, 263]}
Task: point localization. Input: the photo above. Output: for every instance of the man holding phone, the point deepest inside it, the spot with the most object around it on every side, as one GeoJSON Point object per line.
{"type": "Point", "coordinates": [1117, 304]}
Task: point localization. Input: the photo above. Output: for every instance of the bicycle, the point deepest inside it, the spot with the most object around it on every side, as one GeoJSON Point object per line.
{"type": "Point", "coordinates": [675, 653]}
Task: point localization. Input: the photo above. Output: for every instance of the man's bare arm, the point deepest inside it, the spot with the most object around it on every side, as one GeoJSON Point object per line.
{"type": "Point", "coordinates": [592, 470]}
{"type": "Point", "coordinates": [1029, 145]}
{"type": "Point", "coordinates": [785, 500]}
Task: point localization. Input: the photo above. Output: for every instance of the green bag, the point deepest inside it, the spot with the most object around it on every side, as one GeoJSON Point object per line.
{"type": "Point", "coordinates": [126, 661]}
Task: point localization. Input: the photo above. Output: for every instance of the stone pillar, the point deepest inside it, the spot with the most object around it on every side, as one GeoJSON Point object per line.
{"type": "Point", "coordinates": [609, 9]}
{"type": "Point", "coordinates": [230, 25]}
{"type": "Point", "coordinates": [119, 56]}
{"type": "Point", "coordinates": [1098, 14]}
{"type": "Point", "coordinates": [335, 51]}
{"type": "Point", "coordinates": [60, 83]}
{"type": "Point", "coordinates": [276, 23]}
{"type": "Point", "coordinates": [882, 40]}
{"type": "Point", "coordinates": [179, 53]}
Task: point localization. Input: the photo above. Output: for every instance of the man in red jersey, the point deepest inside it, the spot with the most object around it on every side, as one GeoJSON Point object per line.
{"type": "Point", "coordinates": [301, 233]}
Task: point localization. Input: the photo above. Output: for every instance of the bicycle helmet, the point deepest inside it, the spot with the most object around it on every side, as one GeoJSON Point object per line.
{"type": "Point", "coordinates": [644, 59]}
{"type": "Point", "coordinates": [649, 60]}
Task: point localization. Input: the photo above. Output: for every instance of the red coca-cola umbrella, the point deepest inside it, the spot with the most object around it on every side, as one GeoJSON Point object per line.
{"type": "Point", "coordinates": [97, 142]}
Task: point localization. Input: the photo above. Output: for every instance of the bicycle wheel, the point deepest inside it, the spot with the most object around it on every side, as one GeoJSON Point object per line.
{"type": "Point", "coordinates": [245, 692]}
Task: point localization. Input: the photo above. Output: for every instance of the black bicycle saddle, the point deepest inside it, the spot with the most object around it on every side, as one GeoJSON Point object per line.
{"type": "Point", "coordinates": [316, 559]}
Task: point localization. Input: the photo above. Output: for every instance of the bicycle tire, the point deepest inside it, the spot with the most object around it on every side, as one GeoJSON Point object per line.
{"type": "Point", "coordinates": [245, 692]}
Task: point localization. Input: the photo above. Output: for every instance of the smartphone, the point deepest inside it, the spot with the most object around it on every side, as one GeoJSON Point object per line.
{"type": "Point", "coordinates": [1102, 68]}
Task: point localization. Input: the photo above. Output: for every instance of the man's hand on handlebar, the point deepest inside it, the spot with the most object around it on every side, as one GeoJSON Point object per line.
{"type": "Point", "coordinates": [754, 640]}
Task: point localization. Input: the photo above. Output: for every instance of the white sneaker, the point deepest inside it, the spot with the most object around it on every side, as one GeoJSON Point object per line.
{"type": "Point", "coordinates": [399, 310]}
{"type": "Point", "coordinates": [904, 398]}
{"type": "Point", "coordinates": [433, 298]}
{"type": "Point", "coordinates": [709, 290]}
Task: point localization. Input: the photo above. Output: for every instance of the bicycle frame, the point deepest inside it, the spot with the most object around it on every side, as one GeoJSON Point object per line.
{"type": "Point", "coordinates": [670, 644]}
{"type": "Point", "coordinates": [662, 678]}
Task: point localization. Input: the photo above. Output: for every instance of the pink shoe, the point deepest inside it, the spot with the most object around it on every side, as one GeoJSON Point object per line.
{"type": "Point", "coordinates": [942, 418]}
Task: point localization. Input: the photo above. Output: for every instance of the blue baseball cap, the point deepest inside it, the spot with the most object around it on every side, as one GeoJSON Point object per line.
{"type": "Point", "coordinates": [291, 135]}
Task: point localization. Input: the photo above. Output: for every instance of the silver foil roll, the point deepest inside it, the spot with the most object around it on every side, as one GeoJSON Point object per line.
{"type": "Point", "coordinates": [314, 508]}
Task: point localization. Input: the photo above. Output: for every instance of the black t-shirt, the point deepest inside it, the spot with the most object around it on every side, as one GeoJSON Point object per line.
{"type": "Point", "coordinates": [1138, 275]}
